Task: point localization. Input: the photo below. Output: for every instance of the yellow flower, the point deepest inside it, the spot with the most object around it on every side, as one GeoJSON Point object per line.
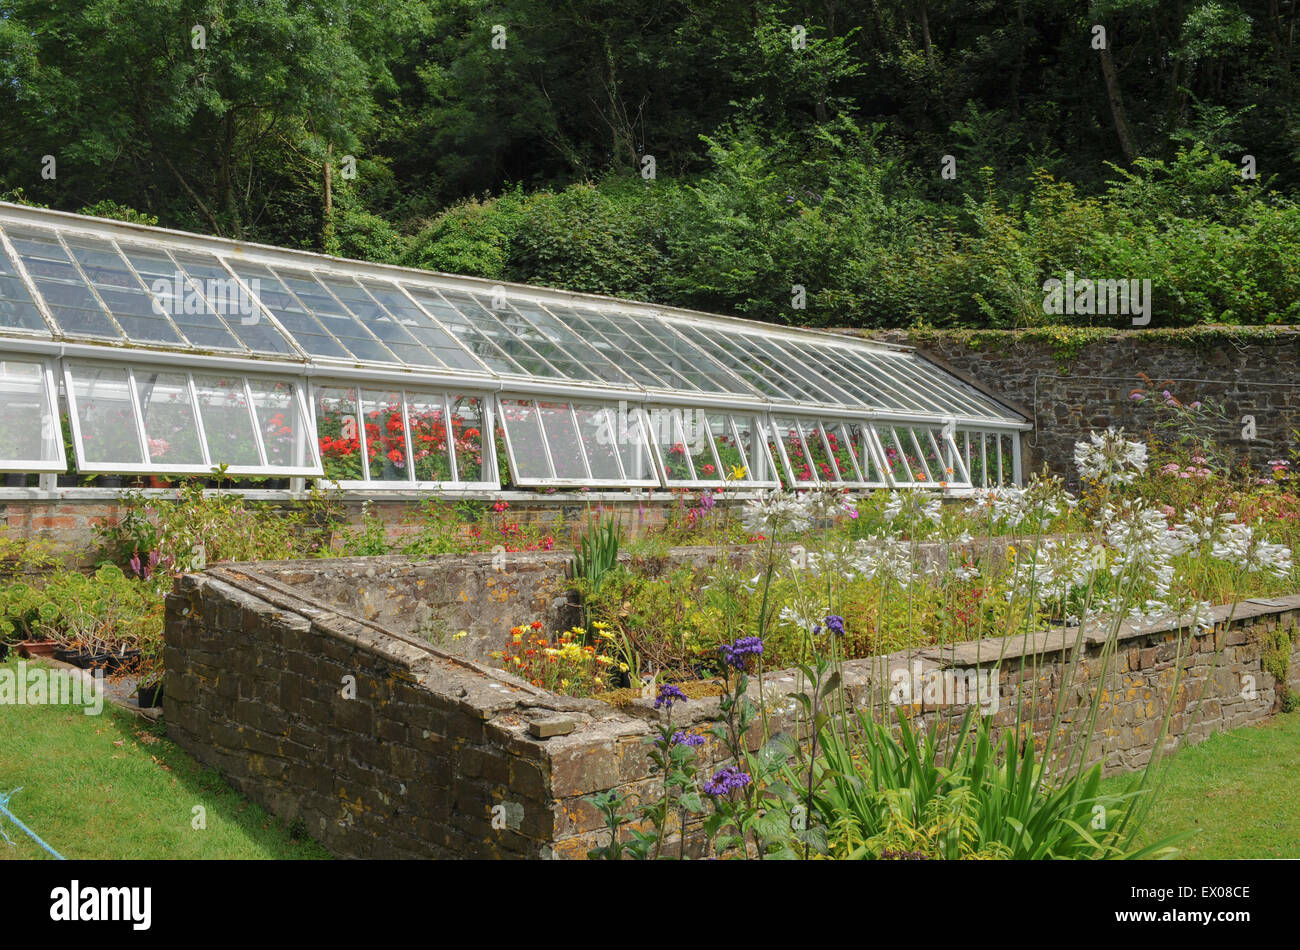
{"type": "Point", "coordinates": [623, 667]}
{"type": "Point", "coordinates": [606, 635]}
{"type": "Point", "coordinates": [564, 684]}
{"type": "Point", "coordinates": [738, 472]}
{"type": "Point", "coordinates": [1011, 550]}
{"type": "Point", "coordinates": [462, 635]}
{"type": "Point", "coordinates": [600, 625]}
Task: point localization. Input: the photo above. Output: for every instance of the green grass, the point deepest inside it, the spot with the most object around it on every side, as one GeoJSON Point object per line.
{"type": "Point", "coordinates": [1237, 792]}
{"type": "Point", "coordinates": [111, 786]}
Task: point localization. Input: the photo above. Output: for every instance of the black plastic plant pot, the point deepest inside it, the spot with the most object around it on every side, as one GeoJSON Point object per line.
{"type": "Point", "coordinates": [150, 696]}
{"type": "Point", "coordinates": [121, 662]}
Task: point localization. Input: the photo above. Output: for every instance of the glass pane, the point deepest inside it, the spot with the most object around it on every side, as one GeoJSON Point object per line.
{"type": "Point", "coordinates": [823, 467]}
{"type": "Point", "coordinates": [562, 439]}
{"type": "Point", "coordinates": [73, 306]}
{"type": "Point", "coordinates": [1007, 472]}
{"type": "Point", "coordinates": [105, 415]}
{"type": "Point", "coordinates": [750, 447]}
{"type": "Point", "coordinates": [170, 428]}
{"type": "Point", "coordinates": [774, 451]}
{"type": "Point", "coordinates": [30, 431]}
{"type": "Point", "coordinates": [305, 329]}
{"type": "Point", "coordinates": [418, 324]}
{"type": "Point", "coordinates": [335, 318]}
{"type": "Point", "coordinates": [632, 428]}
{"type": "Point", "coordinates": [520, 418]}
{"type": "Point", "coordinates": [695, 432]}
{"type": "Point", "coordinates": [138, 314]}
{"type": "Point", "coordinates": [227, 299]}
{"type": "Point", "coordinates": [385, 436]}
{"type": "Point", "coordinates": [859, 442]}
{"type": "Point", "coordinates": [337, 435]}
{"type": "Point", "coordinates": [478, 342]}
{"type": "Point", "coordinates": [428, 425]}
{"type": "Point", "coordinates": [467, 437]}
{"type": "Point", "coordinates": [17, 309]}
{"type": "Point", "coordinates": [800, 464]}
{"type": "Point", "coordinates": [488, 324]}
{"type": "Point", "coordinates": [223, 406]}
{"type": "Point", "coordinates": [599, 440]}
{"type": "Point", "coordinates": [187, 309]}
{"type": "Point", "coordinates": [842, 453]}
{"type": "Point", "coordinates": [724, 445]}
{"type": "Point", "coordinates": [283, 430]}
{"type": "Point", "coordinates": [380, 322]}
{"type": "Point", "coordinates": [666, 431]}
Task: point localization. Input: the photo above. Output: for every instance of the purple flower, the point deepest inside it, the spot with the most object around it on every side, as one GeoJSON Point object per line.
{"type": "Point", "coordinates": [669, 694]}
{"type": "Point", "coordinates": [740, 654]}
{"type": "Point", "coordinates": [835, 624]}
{"type": "Point", "coordinates": [683, 738]}
{"type": "Point", "coordinates": [725, 781]}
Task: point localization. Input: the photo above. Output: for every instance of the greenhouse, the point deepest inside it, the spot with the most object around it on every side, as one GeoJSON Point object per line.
{"type": "Point", "coordinates": [154, 352]}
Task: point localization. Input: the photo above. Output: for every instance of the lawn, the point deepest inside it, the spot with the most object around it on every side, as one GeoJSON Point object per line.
{"type": "Point", "coordinates": [112, 786]}
{"type": "Point", "coordinates": [1236, 792]}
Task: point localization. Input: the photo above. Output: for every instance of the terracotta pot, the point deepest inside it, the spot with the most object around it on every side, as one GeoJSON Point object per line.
{"type": "Point", "coordinates": [31, 649]}
{"type": "Point", "coordinates": [156, 482]}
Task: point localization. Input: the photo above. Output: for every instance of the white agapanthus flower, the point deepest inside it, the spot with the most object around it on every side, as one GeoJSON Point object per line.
{"type": "Point", "coordinates": [1241, 545]}
{"type": "Point", "coordinates": [1000, 504]}
{"type": "Point", "coordinates": [1109, 458]}
{"type": "Point", "coordinates": [805, 621]}
{"type": "Point", "coordinates": [886, 558]}
{"type": "Point", "coordinates": [774, 511]}
{"type": "Point", "coordinates": [914, 505]}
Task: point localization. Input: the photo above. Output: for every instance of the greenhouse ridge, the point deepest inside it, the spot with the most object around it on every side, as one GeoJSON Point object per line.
{"type": "Point", "coordinates": [177, 353]}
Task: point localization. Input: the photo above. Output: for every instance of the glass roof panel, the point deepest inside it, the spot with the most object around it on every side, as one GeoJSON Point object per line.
{"type": "Point", "coordinates": [417, 323]}
{"type": "Point", "coordinates": [738, 362]}
{"type": "Point", "coordinates": [185, 307]}
{"type": "Point", "coordinates": [75, 308]}
{"type": "Point", "coordinates": [335, 317]}
{"type": "Point", "coordinates": [380, 322]}
{"type": "Point", "coordinates": [571, 345]}
{"type": "Point", "coordinates": [679, 353]}
{"type": "Point", "coordinates": [17, 309]}
{"type": "Point", "coordinates": [638, 362]}
{"type": "Point", "coordinates": [227, 298]}
{"type": "Point", "coordinates": [486, 323]}
{"type": "Point", "coordinates": [555, 355]}
{"type": "Point", "coordinates": [306, 330]}
{"type": "Point", "coordinates": [136, 312]}
{"type": "Point", "coordinates": [480, 341]}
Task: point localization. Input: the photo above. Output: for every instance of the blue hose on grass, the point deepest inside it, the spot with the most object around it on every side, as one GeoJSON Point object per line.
{"type": "Point", "coordinates": [4, 810]}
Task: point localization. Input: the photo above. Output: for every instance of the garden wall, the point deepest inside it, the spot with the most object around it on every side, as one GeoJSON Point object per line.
{"type": "Point", "coordinates": [68, 520]}
{"type": "Point", "coordinates": [1069, 381]}
{"type": "Point", "coordinates": [382, 745]}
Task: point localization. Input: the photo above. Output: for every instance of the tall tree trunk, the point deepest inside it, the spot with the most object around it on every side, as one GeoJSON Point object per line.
{"type": "Point", "coordinates": [328, 240]}
{"type": "Point", "coordinates": [925, 35]}
{"type": "Point", "coordinates": [1117, 103]}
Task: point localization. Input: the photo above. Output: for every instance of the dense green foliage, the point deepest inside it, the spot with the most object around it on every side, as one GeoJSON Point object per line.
{"type": "Point", "coordinates": [793, 145]}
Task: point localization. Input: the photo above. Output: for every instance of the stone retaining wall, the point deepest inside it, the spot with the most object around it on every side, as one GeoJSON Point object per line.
{"type": "Point", "coordinates": [384, 746]}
